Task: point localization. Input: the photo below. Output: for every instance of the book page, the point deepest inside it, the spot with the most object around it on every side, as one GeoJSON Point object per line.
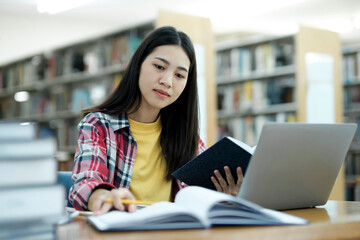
{"type": "Point", "coordinates": [284, 217]}
{"type": "Point", "coordinates": [243, 145]}
{"type": "Point", "coordinates": [220, 208]}
{"type": "Point", "coordinates": [253, 149]}
{"type": "Point", "coordinates": [158, 213]}
{"type": "Point", "coordinates": [200, 200]}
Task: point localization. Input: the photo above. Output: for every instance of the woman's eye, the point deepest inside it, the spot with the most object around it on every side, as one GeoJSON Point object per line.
{"type": "Point", "coordinates": [159, 67]}
{"type": "Point", "coordinates": [179, 75]}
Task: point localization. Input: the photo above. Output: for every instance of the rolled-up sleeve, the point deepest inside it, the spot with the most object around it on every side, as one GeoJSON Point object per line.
{"type": "Point", "coordinates": [90, 169]}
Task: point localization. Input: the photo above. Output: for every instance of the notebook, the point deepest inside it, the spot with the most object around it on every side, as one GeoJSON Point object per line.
{"type": "Point", "coordinates": [295, 165]}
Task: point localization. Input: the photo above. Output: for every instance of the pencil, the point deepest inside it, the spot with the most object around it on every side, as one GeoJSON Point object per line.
{"type": "Point", "coordinates": [128, 201]}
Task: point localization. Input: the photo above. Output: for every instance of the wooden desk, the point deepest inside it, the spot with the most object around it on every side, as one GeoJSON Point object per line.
{"type": "Point", "coordinates": [335, 220]}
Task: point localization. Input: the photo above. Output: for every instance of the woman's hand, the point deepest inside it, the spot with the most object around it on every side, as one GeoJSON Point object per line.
{"type": "Point", "coordinates": [228, 186]}
{"type": "Point", "coordinates": [99, 204]}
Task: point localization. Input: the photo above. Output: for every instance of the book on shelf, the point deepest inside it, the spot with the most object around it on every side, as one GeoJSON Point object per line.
{"type": "Point", "coordinates": [32, 203]}
{"type": "Point", "coordinates": [252, 97]}
{"type": "Point", "coordinates": [134, 42]}
{"type": "Point", "coordinates": [23, 72]}
{"type": "Point", "coordinates": [8, 77]}
{"type": "Point", "coordinates": [104, 52]}
{"type": "Point", "coordinates": [51, 66]}
{"type": "Point", "coordinates": [194, 207]}
{"type": "Point", "coordinates": [122, 49]}
{"type": "Point", "coordinates": [92, 59]}
{"type": "Point", "coordinates": [78, 64]}
{"type": "Point", "coordinates": [226, 152]}
{"type": "Point", "coordinates": [284, 52]}
{"type": "Point", "coordinates": [248, 127]}
{"type": "Point", "coordinates": [81, 99]}
{"type": "Point", "coordinates": [240, 62]}
{"type": "Point", "coordinates": [60, 97]}
{"type": "Point", "coordinates": [98, 91]}
{"type": "Point", "coordinates": [17, 130]}
{"type": "Point", "coordinates": [357, 134]}
{"type": "Point", "coordinates": [280, 90]}
{"type": "Point", "coordinates": [116, 80]}
{"type": "Point", "coordinates": [351, 64]}
{"type": "Point", "coordinates": [264, 58]}
{"type": "Point", "coordinates": [352, 98]}
{"type": "Point", "coordinates": [39, 67]}
{"type": "Point", "coordinates": [244, 62]}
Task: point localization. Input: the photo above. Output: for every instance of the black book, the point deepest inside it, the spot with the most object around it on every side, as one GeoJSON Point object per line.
{"type": "Point", "coordinates": [226, 152]}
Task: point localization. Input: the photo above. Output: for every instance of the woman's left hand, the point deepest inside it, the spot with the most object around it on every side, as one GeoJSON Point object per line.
{"type": "Point", "coordinates": [228, 186]}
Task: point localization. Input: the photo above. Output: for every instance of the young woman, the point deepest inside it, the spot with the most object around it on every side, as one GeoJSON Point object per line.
{"type": "Point", "coordinates": [129, 145]}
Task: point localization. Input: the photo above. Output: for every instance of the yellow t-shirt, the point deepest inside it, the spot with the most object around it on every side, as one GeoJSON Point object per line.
{"type": "Point", "coordinates": [148, 181]}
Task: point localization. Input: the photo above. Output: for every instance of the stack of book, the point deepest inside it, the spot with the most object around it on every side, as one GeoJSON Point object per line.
{"type": "Point", "coordinates": [31, 201]}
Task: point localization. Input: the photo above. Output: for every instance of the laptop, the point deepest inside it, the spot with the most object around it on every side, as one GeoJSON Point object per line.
{"type": "Point", "coordinates": [295, 165]}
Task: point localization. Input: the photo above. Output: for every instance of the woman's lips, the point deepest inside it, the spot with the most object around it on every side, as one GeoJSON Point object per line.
{"type": "Point", "coordinates": [161, 93]}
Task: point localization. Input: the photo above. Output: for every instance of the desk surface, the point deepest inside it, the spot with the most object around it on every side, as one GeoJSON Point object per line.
{"type": "Point", "coordinates": [334, 220]}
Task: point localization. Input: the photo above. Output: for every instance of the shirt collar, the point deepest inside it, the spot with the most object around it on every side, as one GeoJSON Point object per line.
{"type": "Point", "coordinates": [119, 122]}
{"type": "Point", "coordinates": [115, 122]}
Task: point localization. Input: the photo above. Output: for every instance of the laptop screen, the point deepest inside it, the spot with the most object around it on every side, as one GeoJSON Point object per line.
{"type": "Point", "coordinates": [295, 165]}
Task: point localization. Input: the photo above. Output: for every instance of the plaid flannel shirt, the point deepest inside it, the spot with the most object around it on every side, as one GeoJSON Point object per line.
{"type": "Point", "coordinates": [104, 156]}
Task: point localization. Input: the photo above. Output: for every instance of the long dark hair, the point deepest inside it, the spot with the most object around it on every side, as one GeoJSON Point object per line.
{"type": "Point", "coordinates": [179, 137]}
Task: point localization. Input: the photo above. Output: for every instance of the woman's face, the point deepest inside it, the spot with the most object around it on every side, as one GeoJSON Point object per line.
{"type": "Point", "coordinates": [163, 77]}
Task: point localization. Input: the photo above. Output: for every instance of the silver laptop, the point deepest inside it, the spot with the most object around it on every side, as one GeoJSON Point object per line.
{"type": "Point", "coordinates": [295, 165]}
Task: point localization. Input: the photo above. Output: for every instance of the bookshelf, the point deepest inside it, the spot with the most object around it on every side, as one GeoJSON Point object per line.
{"type": "Point", "coordinates": [53, 86]}
{"type": "Point", "coordinates": [264, 79]}
{"type": "Point", "coordinates": [351, 84]}
{"type": "Point", "coordinates": [58, 83]}
{"type": "Point", "coordinates": [256, 84]}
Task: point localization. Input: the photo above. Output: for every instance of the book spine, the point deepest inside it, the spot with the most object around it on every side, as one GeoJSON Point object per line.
{"type": "Point", "coordinates": [36, 148]}
{"type": "Point", "coordinates": [31, 203]}
{"type": "Point", "coordinates": [27, 172]}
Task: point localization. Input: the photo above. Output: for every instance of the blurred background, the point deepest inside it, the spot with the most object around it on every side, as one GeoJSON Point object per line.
{"type": "Point", "coordinates": [27, 27]}
{"type": "Point", "coordinates": [259, 61]}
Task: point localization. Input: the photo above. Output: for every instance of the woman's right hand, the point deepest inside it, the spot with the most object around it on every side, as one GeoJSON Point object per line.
{"type": "Point", "coordinates": [99, 204]}
{"type": "Point", "coordinates": [228, 185]}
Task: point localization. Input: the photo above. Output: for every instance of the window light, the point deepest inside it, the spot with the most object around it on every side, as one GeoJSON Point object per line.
{"type": "Point", "coordinates": [57, 6]}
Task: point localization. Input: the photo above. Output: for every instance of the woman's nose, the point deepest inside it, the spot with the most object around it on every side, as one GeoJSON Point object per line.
{"type": "Point", "coordinates": [166, 80]}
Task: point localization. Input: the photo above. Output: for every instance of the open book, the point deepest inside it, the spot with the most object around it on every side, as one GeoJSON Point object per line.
{"type": "Point", "coordinates": [226, 152]}
{"type": "Point", "coordinates": [194, 207]}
